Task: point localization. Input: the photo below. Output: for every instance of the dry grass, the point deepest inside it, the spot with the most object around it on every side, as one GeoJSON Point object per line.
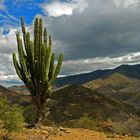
{"type": "Point", "coordinates": [83, 134]}
{"type": "Point", "coordinates": [49, 133]}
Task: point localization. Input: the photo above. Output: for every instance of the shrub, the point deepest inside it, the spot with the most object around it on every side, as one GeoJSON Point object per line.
{"type": "Point", "coordinates": [129, 127]}
{"type": "Point", "coordinates": [29, 114]}
{"type": "Point", "coordinates": [11, 115]}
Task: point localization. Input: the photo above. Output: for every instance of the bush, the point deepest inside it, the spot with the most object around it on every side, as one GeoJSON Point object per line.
{"type": "Point", "coordinates": [129, 127]}
{"type": "Point", "coordinates": [84, 121]}
{"type": "Point", "coordinates": [29, 114]}
{"type": "Point", "coordinates": [11, 115]}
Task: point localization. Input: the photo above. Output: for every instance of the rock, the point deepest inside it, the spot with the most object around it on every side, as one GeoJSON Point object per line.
{"type": "Point", "coordinates": [62, 129]}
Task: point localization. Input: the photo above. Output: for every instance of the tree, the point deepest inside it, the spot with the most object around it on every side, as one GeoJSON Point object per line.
{"type": "Point", "coordinates": [36, 65]}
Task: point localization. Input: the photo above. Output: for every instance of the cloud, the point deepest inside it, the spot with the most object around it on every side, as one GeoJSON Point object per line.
{"type": "Point", "coordinates": [101, 30]}
{"type": "Point", "coordinates": [2, 6]}
{"type": "Point", "coordinates": [127, 3]}
{"type": "Point", "coordinates": [8, 75]}
{"type": "Point", "coordinates": [8, 41]}
{"type": "Point", "coordinates": [7, 47]}
{"type": "Point", "coordinates": [57, 8]}
{"type": "Point", "coordinates": [86, 65]}
{"type": "Point", "coordinates": [95, 35]}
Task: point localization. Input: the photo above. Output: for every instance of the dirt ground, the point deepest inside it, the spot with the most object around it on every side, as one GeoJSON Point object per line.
{"type": "Point", "coordinates": [82, 134]}
{"type": "Point", "coordinates": [65, 134]}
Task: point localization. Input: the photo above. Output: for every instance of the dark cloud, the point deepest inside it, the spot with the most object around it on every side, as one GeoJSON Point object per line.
{"type": "Point", "coordinates": [102, 29]}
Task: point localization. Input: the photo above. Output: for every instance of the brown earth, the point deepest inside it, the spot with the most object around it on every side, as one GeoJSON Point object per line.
{"type": "Point", "coordinates": [64, 134]}
{"type": "Point", "coordinates": [83, 134]}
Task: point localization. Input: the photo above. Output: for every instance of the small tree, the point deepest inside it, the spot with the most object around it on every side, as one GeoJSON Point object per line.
{"type": "Point", "coordinates": [35, 66]}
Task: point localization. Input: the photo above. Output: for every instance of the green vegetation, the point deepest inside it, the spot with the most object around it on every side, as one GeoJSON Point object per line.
{"type": "Point", "coordinates": [11, 116]}
{"type": "Point", "coordinates": [36, 66]}
{"type": "Point", "coordinates": [74, 101]}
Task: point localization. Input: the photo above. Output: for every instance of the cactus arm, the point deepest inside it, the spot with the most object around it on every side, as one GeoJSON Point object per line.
{"type": "Point", "coordinates": [57, 69]}
{"type": "Point", "coordinates": [48, 60]}
{"type": "Point", "coordinates": [45, 36]}
{"type": "Point", "coordinates": [51, 70]}
{"type": "Point", "coordinates": [17, 68]}
{"type": "Point", "coordinates": [23, 31]}
{"type": "Point", "coordinates": [36, 48]}
{"type": "Point", "coordinates": [50, 40]}
{"type": "Point", "coordinates": [22, 55]}
{"type": "Point", "coordinates": [43, 59]}
{"type": "Point", "coordinates": [40, 47]}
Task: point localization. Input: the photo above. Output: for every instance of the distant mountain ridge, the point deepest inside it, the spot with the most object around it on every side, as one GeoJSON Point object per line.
{"type": "Point", "coordinates": [19, 88]}
{"type": "Point", "coordinates": [132, 71]}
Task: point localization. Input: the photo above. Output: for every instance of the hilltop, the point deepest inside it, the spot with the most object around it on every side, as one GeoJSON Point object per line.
{"type": "Point", "coordinates": [118, 87]}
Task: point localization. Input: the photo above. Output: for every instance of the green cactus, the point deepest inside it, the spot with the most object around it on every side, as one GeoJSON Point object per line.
{"type": "Point", "coordinates": [35, 65]}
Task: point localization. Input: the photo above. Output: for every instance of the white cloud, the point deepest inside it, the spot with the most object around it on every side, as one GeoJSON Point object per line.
{"type": "Point", "coordinates": [2, 6]}
{"type": "Point", "coordinates": [8, 41]}
{"type": "Point", "coordinates": [58, 8]}
{"type": "Point", "coordinates": [126, 3]}
{"type": "Point", "coordinates": [91, 64]}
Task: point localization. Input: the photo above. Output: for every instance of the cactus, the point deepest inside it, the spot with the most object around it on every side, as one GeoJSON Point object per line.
{"type": "Point", "coordinates": [35, 65]}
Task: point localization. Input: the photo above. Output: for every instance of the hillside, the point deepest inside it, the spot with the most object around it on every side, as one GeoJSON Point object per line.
{"type": "Point", "coordinates": [81, 78]}
{"type": "Point", "coordinates": [19, 88]}
{"type": "Point", "coordinates": [118, 87]}
{"type": "Point", "coordinates": [75, 106]}
{"type": "Point", "coordinates": [74, 101]}
{"type": "Point", "coordinates": [14, 96]}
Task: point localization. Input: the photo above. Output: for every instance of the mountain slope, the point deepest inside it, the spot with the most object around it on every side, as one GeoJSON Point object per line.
{"type": "Point", "coordinates": [118, 87]}
{"type": "Point", "coordinates": [14, 97]}
{"type": "Point", "coordinates": [19, 88]}
{"type": "Point", "coordinates": [132, 71]}
{"type": "Point", "coordinates": [74, 101]}
{"type": "Point", "coordinates": [81, 78]}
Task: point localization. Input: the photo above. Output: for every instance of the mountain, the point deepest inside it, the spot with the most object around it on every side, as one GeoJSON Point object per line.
{"type": "Point", "coordinates": [132, 71]}
{"type": "Point", "coordinates": [81, 78]}
{"type": "Point", "coordinates": [3, 89]}
{"type": "Point", "coordinates": [119, 87]}
{"type": "Point", "coordinates": [74, 101]}
{"type": "Point", "coordinates": [121, 83]}
{"type": "Point", "coordinates": [19, 88]}
{"type": "Point", "coordinates": [14, 97]}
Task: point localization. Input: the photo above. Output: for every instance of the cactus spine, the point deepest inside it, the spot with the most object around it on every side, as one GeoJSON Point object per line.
{"type": "Point", "coordinates": [35, 65]}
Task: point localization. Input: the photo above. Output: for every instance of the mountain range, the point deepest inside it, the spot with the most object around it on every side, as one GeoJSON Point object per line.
{"type": "Point", "coordinates": [113, 93]}
{"type": "Point", "coordinates": [121, 83]}
{"type": "Point", "coordinates": [132, 71]}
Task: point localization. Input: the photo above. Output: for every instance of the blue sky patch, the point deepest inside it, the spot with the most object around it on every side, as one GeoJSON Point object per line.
{"type": "Point", "coordinates": [14, 9]}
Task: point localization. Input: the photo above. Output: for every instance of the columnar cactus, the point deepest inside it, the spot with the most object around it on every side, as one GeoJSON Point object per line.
{"type": "Point", "coordinates": [35, 65]}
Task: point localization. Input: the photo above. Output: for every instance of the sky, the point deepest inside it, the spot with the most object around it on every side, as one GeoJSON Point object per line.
{"type": "Point", "coordinates": [92, 34]}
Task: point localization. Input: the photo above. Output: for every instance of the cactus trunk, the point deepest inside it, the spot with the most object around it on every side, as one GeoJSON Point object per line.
{"type": "Point", "coordinates": [35, 64]}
